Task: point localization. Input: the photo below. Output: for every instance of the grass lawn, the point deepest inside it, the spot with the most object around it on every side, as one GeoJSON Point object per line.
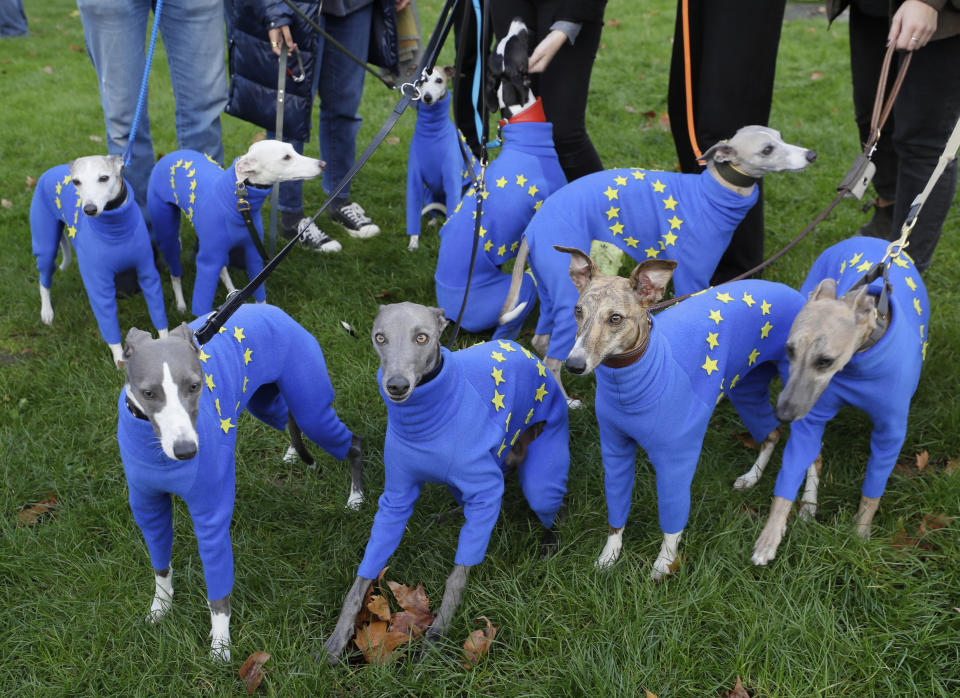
{"type": "Point", "coordinates": [830, 616]}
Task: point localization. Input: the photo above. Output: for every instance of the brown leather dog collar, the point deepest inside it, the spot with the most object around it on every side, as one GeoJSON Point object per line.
{"type": "Point", "coordinates": [628, 358]}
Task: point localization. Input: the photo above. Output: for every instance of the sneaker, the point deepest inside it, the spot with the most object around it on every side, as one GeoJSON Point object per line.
{"type": "Point", "coordinates": [316, 239]}
{"type": "Point", "coordinates": [352, 217]}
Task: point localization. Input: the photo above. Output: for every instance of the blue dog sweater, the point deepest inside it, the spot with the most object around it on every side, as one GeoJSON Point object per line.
{"type": "Point", "coordinates": [701, 349]}
{"type": "Point", "coordinates": [106, 245]}
{"type": "Point", "coordinates": [435, 168]}
{"type": "Point", "coordinates": [457, 429]}
{"type": "Point", "coordinates": [881, 380]}
{"type": "Point", "coordinates": [648, 215]}
{"type": "Point", "coordinates": [261, 361]}
{"type": "Point", "coordinates": [189, 181]}
{"type": "Point", "coordinates": [525, 173]}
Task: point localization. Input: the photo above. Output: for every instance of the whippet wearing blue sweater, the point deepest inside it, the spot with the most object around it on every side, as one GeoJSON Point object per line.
{"type": "Point", "coordinates": [659, 379]}
{"type": "Point", "coordinates": [844, 350]}
{"type": "Point", "coordinates": [462, 419]}
{"type": "Point", "coordinates": [177, 431]}
{"type": "Point", "coordinates": [688, 218]}
{"type": "Point", "coordinates": [89, 203]}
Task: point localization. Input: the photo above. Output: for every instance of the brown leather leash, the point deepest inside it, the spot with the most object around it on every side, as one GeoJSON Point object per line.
{"type": "Point", "coordinates": [857, 178]}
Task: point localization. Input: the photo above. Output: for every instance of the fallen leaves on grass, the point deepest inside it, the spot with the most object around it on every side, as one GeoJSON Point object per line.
{"type": "Point", "coordinates": [251, 671]}
{"type": "Point", "coordinates": [745, 438]}
{"type": "Point", "coordinates": [380, 630]}
{"type": "Point", "coordinates": [613, 23]}
{"type": "Point", "coordinates": [922, 459]}
{"type": "Point", "coordinates": [952, 465]}
{"type": "Point", "coordinates": [629, 109]}
{"type": "Point", "coordinates": [478, 643]}
{"type": "Point", "coordinates": [378, 643]}
{"type": "Point", "coordinates": [74, 47]}
{"type": "Point", "coordinates": [648, 694]}
{"type": "Point", "coordinates": [931, 522]}
{"type": "Point", "coordinates": [393, 140]}
{"type": "Point", "coordinates": [738, 691]}
{"type": "Point", "coordinates": [31, 182]}
{"type": "Point", "coordinates": [32, 513]}
{"type": "Point", "coordinates": [96, 139]}
{"type": "Point", "coordinates": [748, 510]}
{"type": "Point", "coordinates": [6, 203]}
{"type": "Point", "coordinates": [816, 75]}
{"type": "Point", "coordinates": [48, 69]}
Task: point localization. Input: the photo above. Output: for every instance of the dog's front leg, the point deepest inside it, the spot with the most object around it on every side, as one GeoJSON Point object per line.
{"type": "Point", "coordinates": [345, 624]}
{"type": "Point", "coordinates": [220, 628]}
{"type": "Point", "coordinates": [752, 476]}
{"type": "Point", "coordinates": [540, 342]}
{"type": "Point", "coordinates": [765, 549]}
{"type": "Point", "coordinates": [668, 554]}
{"type": "Point", "coordinates": [555, 366]}
{"type": "Point", "coordinates": [808, 502]}
{"type": "Point", "coordinates": [226, 280]}
{"type": "Point", "coordinates": [611, 550]}
{"type": "Point", "coordinates": [866, 510]}
{"type": "Point", "coordinates": [116, 350]}
{"type": "Point", "coordinates": [176, 282]}
{"type": "Point", "coordinates": [355, 458]}
{"type": "Point", "coordinates": [46, 307]}
{"type": "Point", "coordinates": [452, 595]}
{"type": "Point", "coordinates": [414, 243]}
{"type": "Point", "coordinates": [162, 594]}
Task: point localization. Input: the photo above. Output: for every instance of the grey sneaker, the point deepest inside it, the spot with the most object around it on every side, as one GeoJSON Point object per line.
{"type": "Point", "coordinates": [352, 217]}
{"type": "Point", "coordinates": [316, 239]}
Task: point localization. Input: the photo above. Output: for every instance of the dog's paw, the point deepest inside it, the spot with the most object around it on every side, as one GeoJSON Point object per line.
{"type": "Point", "coordinates": [747, 480]}
{"type": "Point", "coordinates": [159, 608]}
{"type": "Point", "coordinates": [573, 403]}
{"type": "Point", "coordinates": [808, 510]}
{"type": "Point", "coordinates": [46, 316]}
{"type": "Point", "coordinates": [291, 455]}
{"type": "Point", "coordinates": [220, 652]}
{"type": "Point", "coordinates": [181, 307]}
{"type": "Point", "coordinates": [765, 549]}
{"type": "Point", "coordinates": [354, 500]}
{"type": "Point", "coordinates": [662, 567]}
{"type": "Point", "coordinates": [414, 243]}
{"type": "Point", "coordinates": [609, 555]}
{"type": "Point", "coordinates": [863, 531]}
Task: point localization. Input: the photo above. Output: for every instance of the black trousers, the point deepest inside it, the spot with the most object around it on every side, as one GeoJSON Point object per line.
{"type": "Point", "coordinates": [922, 119]}
{"type": "Point", "coordinates": [733, 56]}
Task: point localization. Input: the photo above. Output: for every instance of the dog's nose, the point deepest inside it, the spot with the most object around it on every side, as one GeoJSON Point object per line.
{"type": "Point", "coordinates": [323, 163]}
{"type": "Point", "coordinates": [184, 450]}
{"type": "Point", "coordinates": [397, 386]}
{"type": "Point", "coordinates": [810, 155]}
{"type": "Point", "coordinates": [90, 209]}
{"type": "Point", "coordinates": [784, 413]}
{"type": "Point", "coordinates": [575, 364]}
{"type": "Point", "coordinates": [427, 99]}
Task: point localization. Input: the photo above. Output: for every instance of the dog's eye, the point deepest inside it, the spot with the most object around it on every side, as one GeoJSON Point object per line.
{"type": "Point", "coordinates": [789, 351]}
{"type": "Point", "coordinates": [823, 363]}
{"type": "Point", "coordinates": [421, 338]}
{"type": "Point", "coordinates": [380, 339]}
{"type": "Point", "coordinates": [287, 156]}
{"type": "Point", "coordinates": [578, 311]}
{"type": "Point", "coordinates": [616, 319]}
{"type": "Point", "coordinates": [102, 179]}
{"type": "Point", "coordinates": [767, 150]}
{"type": "Point", "coordinates": [194, 387]}
{"type": "Point", "coordinates": [438, 80]}
{"type": "Point", "coordinates": [147, 394]}
{"type": "Point", "coordinates": [76, 182]}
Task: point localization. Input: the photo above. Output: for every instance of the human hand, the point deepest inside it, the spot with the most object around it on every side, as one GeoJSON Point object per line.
{"type": "Point", "coordinates": [281, 34]}
{"type": "Point", "coordinates": [545, 51]}
{"type": "Point", "coordinates": [402, 5]}
{"type": "Point", "coordinates": [912, 26]}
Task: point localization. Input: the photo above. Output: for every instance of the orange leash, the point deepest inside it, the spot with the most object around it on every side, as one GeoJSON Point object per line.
{"type": "Point", "coordinates": [687, 79]}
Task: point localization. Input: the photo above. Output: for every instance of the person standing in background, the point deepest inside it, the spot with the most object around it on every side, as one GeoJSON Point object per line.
{"type": "Point", "coordinates": [13, 20]}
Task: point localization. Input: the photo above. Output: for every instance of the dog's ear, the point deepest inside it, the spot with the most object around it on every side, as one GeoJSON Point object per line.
{"type": "Point", "coordinates": [448, 71]}
{"type": "Point", "coordinates": [826, 289]}
{"type": "Point", "coordinates": [494, 74]}
{"type": "Point", "coordinates": [442, 321]}
{"type": "Point", "coordinates": [116, 161]}
{"type": "Point", "coordinates": [135, 337]}
{"type": "Point", "coordinates": [720, 152]}
{"type": "Point", "coordinates": [582, 268]}
{"type": "Point", "coordinates": [183, 331]}
{"type": "Point", "coordinates": [649, 278]}
{"type": "Point", "coordinates": [863, 304]}
{"type": "Point", "coordinates": [247, 166]}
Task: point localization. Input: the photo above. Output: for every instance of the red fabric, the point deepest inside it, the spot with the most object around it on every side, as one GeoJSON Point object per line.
{"type": "Point", "coordinates": [533, 113]}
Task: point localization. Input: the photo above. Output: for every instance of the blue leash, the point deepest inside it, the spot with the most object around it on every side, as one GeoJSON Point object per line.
{"type": "Point", "coordinates": [128, 151]}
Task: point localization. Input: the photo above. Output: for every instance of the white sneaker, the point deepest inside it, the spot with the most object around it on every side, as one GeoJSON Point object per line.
{"type": "Point", "coordinates": [356, 221]}
{"type": "Point", "coordinates": [312, 237]}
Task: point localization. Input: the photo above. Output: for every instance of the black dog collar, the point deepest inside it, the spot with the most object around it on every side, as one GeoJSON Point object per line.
{"type": "Point", "coordinates": [118, 200]}
{"type": "Point", "coordinates": [434, 372]}
{"type": "Point", "coordinates": [134, 410]}
{"type": "Point", "coordinates": [736, 177]}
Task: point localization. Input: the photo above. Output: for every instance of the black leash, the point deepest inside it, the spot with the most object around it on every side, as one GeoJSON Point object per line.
{"type": "Point", "coordinates": [336, 44]}
{"type": "Point", "coordinates": [410, 91]}
{"type": "Point", "coordinates": [243, 206]}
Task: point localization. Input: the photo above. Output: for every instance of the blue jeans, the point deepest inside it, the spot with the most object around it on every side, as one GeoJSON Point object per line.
{"type": "Point", "coordinates": [13, 21]}
{"type": "Point", "coordinates": [116, 33]}
{"type": "Point", "coordinates": [339, 81]}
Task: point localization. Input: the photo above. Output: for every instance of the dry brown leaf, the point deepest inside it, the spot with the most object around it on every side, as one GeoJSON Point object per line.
{"type": "Point", "coordinates": [738, 691]}
{"type": "Point", "coordinates": [956, 609]}
{"type": "Point", "coordinates": [952, 465]}
{"type": "Point", "coordinates": [96, 139]}
{"type": "Point", "coordinates": [258, 136]}
{"type": "Point", "coordinates": [648, 694]}
{"type": "Point", "coordinates": [410, 622]}
{"type": "Point", "coordinates": [377, 644]}
{"type": "Point", "coordinates": [613, 23]}
{"type": "Point", "coordinates": [932, 522]}
{"type": "Point", "coordinates": [251, 671]}
{"type": "Point", "coordinates": [393, 140]}
{"type": "Point", "coordinates": [6, 203]}
{"type": "Point", "coordinates": [630, 110]}
{"type": "Point", "coordinates": [478, 643]}
{"type": "Point", "coordinates": [744, 509]}
{"type": "Point", "coordinates": [664, 121]}
{"type": "Point", "coordinates": [48, 69]}
{"type": "Point", "coordinates": [74, 47]}
{"type": "Point", "coordinates": [745, 438]}
{"type": "Point", "coordinates": [380, 607]}
{"type": "Point", "coordinates": [31, 182]}
{"type": "Point", "coordinates": [816, 75]}
{"type": "Point", "coordinates": [922, 459]}
{"type": "Point", "coordinates": [32, 513]}
{"type": "Point", "coordinates": [410, 599]}
{"type": "Point", "coordinates": [650, 114]}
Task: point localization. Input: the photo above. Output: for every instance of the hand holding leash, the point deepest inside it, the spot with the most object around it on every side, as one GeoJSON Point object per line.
{"type": "Point", "coordinates": [912, 26]}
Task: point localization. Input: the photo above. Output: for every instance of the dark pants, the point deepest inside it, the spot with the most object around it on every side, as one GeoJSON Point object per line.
{"type": "Point", "coordinates": [922, 119]}
{"type": "Point", "coordinates": [733, 57]}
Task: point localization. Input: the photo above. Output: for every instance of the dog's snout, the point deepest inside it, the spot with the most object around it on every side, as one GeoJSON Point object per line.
{"type": "Point", "coordinates": [785, 412]}
{"type": "Point", "coordinates": [427, 99]}
{"type": "Point", "coordinates": [810, 155]}
{"type": "Point", "coordinates": [575, 364]}
{"type": "Point", "coordinates": [397, 386]}
{"type": "Point", "coordinates": [184, 450]}
{"type": "Point", "coordinates": [322, 164]}
{"type": "Point", "coordinates": [90, 209]}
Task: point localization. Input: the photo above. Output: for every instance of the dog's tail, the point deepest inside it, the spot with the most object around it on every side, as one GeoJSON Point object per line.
{"type": "Point", "coordinates": [67, 252]}
{"type": "Point", "coordinates": [508, 312]}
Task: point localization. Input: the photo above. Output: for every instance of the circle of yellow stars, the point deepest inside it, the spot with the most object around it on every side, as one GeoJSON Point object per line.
{"type": "Point", "coordinates": [670, 204]}
{"type": "Point", "coordinates": [191, 173]}
{"type": "Point", "coordinates": [500, 356]}
{"type": "Point", "coordinates": [61, 188]}
{"type": "Point", "coordinates": [228, 423]}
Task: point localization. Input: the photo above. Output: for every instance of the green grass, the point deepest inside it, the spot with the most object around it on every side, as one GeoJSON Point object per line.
{"type": "Point", "coordinates": [830, 616]}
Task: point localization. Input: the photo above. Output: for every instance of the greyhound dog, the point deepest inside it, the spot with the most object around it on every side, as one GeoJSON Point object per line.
{"type": "Point", "coordinates": [211, 199]}
{"type": "Point", "coordinates": [525, 173]}
{"type": "Point", "coordinates": [177, 430]}
{"type": "Point", "coordinates": [647, 214]}
{"type": "Point", "coordinates": [461, 418]}
{"type": "Point", "coordinates": [659, 379]}
{"type": "Point", "coordinates": [110, 237]}
{"type": "Point", "coordinates": [843, 349]}
{"type": "Point", "coordinates": [436, 176]}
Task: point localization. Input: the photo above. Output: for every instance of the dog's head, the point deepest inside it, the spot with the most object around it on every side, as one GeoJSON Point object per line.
{"type": "Point", "coordinates": [757, 150]}
{"type": "Point", "coordinates": [824, 335]}
{"type": "Point", "coordinates": [164, 382]}
{"type": "Point", "coordinates": [611, 312]}
{"type": "Point", "coordinates": [434, 88]}
{"type": "Point", "coordinates": [406, 337]}
{"type": "Point", "coordinates": [508, 85]}
{"type": "Point", "coordinates": [267, 162]}
{"type": "Point", "coordinates": [98, 180]}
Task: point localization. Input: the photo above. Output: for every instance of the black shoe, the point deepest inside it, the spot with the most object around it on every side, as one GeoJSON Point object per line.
{"type": "Point", "coordinates": [357, 223]}
{"type": "Point", "coordinates": [880, 225]}
{"type": "Point", "coordinates": [314, 238]}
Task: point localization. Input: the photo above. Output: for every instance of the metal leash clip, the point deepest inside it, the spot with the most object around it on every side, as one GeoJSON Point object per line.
{"type": "Point", "coordinates": [293, 76]}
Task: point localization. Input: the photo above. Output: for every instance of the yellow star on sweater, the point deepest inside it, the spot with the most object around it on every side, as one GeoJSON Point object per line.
{"type": "Point", "coordinates": [502, 250]}
{"type": "Point", "coordinates": [865, 266]}
{"type": "Point", "coordinates": [670, 238]}
{"type": "Point", "coordinates": [245, 381]}
{"type": "Point", "coordinates": [911, 283]}
{"type": "Point", "coordinates": [498, 356]}
{"type": "Point", "coordinates": [532, 190]}
{"type": "Point", "coordinates": [712, 339]}
{"type": "Point", "coordinates": [536, 206]}
{"type": "Point", "coordinates": [227, 425]}
{"type": "Point", "coordinates": [765, 308]}
{"type": "Point", "coordinates": [612, 193]}
{"type": "Point", "coordinates": [515, 245]}
{"type": "Point", "coordinates": [247, 356]}
{"type": "Point", "coordinates": [715, 316]}
{"type": "Point", "coordinates": [216, 403]}
{"type": "Point", "coordinates": [498, 400]}
{"type": "Point", "coordinates": [488, 245]}
{"type": "Point", "coordinates": [497, 376]}
{"type": "Point", "coordinates": [503, 445]}
{"type": "Point", "coordinates": [506, 426]}
{"type": "Point", "coordinates": [637, 174]}
{"type": "Point", "coordinates": [617, 228]}
{"type": "Point", "coordinates": [765, 330]}
{"type": "Point", "coordinates": [71, 231]}
{"type": "Point", "coordinates": [58, 189]}
{"type": "Point", "coordinates": [612, 212]}
{"type": "Point", "coordinates": [502, 182]}
{"type": "Point", "coordinates": [710, 365]}
{"type": "Point", "coordinates": [900, 262]}
{"type": "Point", "coordinates": [652, 252]}
{"type": "Point", "coordinates": [748, 299]}
{"type": "Point", "coordinates": [733, 383]}
{"type": "Point", "coordinates": [529, 416]}
{"type": "Point", "coordinates": [482, 232]}
{"type": "Point", "coordinates": [916, 306]}
{"type": "Point", "coordinates": [193, 185]}
{"type": "Point", "coordinates": [204, 355]}
{"type": "Point", "coordinates": [208, 379]}
{"type": "Point", "coordinates": [675, 223]}
{"type": "Point", "coordinates": [843, 266]}
{"type": "Point", "coordinates": [191, 172]}
{"type": "Point", "coordinates": [521, 180]}
{"type": "Point", "coordinates": [193, 197]}
{"type": "Point", "coordinates": [620, 180]}
{"type": "Point", "coordinates": [856, 258]}
{"type": "Point", "coordinates": [725, 297]}
{"type": "Point", "coordinates": [670, 204]}
{"type": "Point", "coordinates": [659, 187]}
{"type": "Point", "coordinates": [541, 391]}
{"type": "Point", "coordinates": [238, 333]}
{"type": "Point", "coordinates": [506, 346]}
{"type": "Point", "coordinates": [541, 369]}
{"type": "Point", "coordinates": [187, 165]}
{"type": "Point", "coordinates": [752, 359]}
